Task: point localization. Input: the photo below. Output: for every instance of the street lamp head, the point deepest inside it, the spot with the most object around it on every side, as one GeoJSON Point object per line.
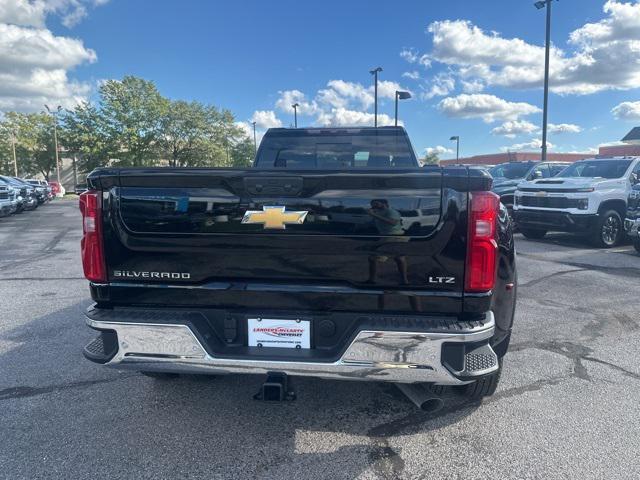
{"type": "Point", "coordinates": [455, 138]}
{"type": "Point", "coordinates": [295, 105]}
{"type": "Point", "coordinates": [402, 95]}
{"type": "Point", "coordinates": [375, 70]}
{"type": "Point", "coordinates": [540, 5]}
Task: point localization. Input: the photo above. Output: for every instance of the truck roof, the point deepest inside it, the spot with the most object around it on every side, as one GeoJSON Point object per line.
{"type": "Point", "coordinates": [338, 130]}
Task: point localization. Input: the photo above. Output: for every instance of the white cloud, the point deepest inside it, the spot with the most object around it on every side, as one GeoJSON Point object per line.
{"type": "Point", "coordinates": [35, 63]}
{"type": "Point", "coordinates": [409, 54]}
{"type": "Point", "coordinates": [340, 103]}
{"type": "Point", "coordinates": [289, 97]}
{"type": "Point", "coordinates": [487, 107]}
{"type": "Point", "coordinates": [627, 111]}
{"type": "Point", "coordinates": [342, 117]}
{"type": "Point", "coordinates": [33, 13]}
{"type": "Point", "coordinates": [387, 89]}
{"type": "Point", "coordinates": [413, 75]}
{"type": "Point", "coordinates": [347, 91]}
{"type": "Point", "coordinates": [34, 67]}
{"type": "Point", "coordinates": [534, 144]}
{"type": "Point", "coordinates": [601, 57]}
{"type": "Point", "coordinates": [438, 150]}
{"type": "Point", "coordinates": [473, 86]}
{"type": "Point", "coordinates": [266, 119]}
{"type": "Point", "coordinates": [246, 128]}
{"type": "Point", "coordinates": [412, 56]}
{"type": "Point", "coordinates": [22, 12]}
{"type": "Point", "coordinates": [563, 128]}
{"type": "Point", "coordinates": [442, 84]}
{"type": "Point", "coordinates": [623, 23]}
{"type": "Point", "coordinates": [511, 129]}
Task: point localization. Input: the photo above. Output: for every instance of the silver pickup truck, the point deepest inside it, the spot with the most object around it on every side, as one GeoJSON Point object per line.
{"type": "Point", "coordinates": [7, 201]}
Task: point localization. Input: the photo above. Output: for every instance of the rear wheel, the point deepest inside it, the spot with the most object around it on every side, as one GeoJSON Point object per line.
{"type": "Point", "coordinates": [532, 233]}
{"type": "Point", "coordinates": [608, 230]}
{"type": "Point", "coordinates": [483, 387]}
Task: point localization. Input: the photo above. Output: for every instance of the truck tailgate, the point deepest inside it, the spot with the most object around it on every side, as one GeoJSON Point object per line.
{"type": "Point", "coordinates": [290, 232]}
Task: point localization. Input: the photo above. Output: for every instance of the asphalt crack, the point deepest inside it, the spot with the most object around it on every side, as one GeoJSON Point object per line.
{"type": "Point", "coordinates": [26, 391]}
{"type": "Point", "coordinates": [548, 277]}
{"type": "Point", "coordinates": [621, 271]}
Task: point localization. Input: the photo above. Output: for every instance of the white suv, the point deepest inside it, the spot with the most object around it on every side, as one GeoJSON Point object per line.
{"type": "Point", "coordinates": [589, 197]}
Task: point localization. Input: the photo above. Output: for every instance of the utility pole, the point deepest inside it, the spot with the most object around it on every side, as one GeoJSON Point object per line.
{"type": "Point", "coordinates": [457, 139]}
{"type": "Point", "coordinates": [54, 114]}
{"type": "Point", "coordinates": [255, 142]}
{"type": "Point", "coordinates": [400, 95]}
{"type": "Point", "coordinates": [375, 72]}
{"type": "Point", "coordinates": [545, 113]}
{"type": "Point", "coordinates": [295, 114]}
{"type": "Point", "coordinates": [15, 159]}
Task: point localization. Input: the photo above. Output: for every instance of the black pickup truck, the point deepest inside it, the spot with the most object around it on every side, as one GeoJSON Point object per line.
{"type": "Point", "coordinates": [335, 256]}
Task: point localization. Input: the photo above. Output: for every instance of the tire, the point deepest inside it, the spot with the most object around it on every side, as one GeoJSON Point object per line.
{"type": "Point", "coordinates": [484, 387]}
{"type": "Point", "coordinates": [608, 230]}
{"type": "Point", "coordinates": [160, 375]}
{"type": "Point", "coordinates": [532, 233]}
{"type": "Point", "coordinates": [636, 244]}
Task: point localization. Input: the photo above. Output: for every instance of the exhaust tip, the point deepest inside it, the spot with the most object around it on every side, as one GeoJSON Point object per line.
{"type": "Point", "coordinates": [432, 405]}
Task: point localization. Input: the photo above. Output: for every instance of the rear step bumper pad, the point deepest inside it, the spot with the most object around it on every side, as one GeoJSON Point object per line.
{"type": "Point", "coordinates": [375, 355]}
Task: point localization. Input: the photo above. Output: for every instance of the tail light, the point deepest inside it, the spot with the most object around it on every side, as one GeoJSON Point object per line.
{"type": "Point", "coordinates": [482, 250]}
{"type": "Point", "coordinates": [91, 245]}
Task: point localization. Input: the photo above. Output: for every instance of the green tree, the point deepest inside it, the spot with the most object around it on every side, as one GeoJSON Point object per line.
{"type": "Point", "coordinates": [35, 150]}
{"type": "Point", "coordinates": [431, 159]}
{"type": "Point", "coordinates": [84, 134]}
{"type": "Point", "coordinates": [133, 110]}
{"type": "Point", "coordinates": [184, 133]}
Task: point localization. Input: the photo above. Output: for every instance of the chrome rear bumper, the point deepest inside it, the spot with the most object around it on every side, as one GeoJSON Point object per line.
{"type": "Point", "coordinates": [390, 356]}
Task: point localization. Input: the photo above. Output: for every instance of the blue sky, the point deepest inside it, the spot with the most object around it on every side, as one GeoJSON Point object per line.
{"type": "Point", "coordinates": [474, 68]}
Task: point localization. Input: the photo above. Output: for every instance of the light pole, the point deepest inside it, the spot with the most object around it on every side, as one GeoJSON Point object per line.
{"type": "Point", "coordinates": [540, 5]}
{"type": "Point", "coordinates": [295, 114]}
{"type": "Point", "coordinates": [255, 143]}
{"type": "Point", "coordinates": [15, 159]}
{"type": "Point", "coordinates": [375, 72]}
{"type": "Point", "coordinates": [400, 95]}
{"type": "Point", "coordinates": [457, 139]}
{"type": "Point", "coordinates": [54, 113]}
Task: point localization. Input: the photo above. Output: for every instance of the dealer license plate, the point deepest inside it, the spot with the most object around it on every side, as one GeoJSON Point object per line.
{"type": "Point", "coordinates": [273, 332]}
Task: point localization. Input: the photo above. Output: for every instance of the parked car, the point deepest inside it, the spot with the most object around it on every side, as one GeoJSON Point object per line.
{"type": "Point", "coordinates": [40, 191]}
{"type": "Point", "coordinates": [12, 195]}
{"type": "Point", "coordinates": [632, 222]}
{"type": "Point", "coordinates": [507, 176]}
{"type": "Point", "coordinates": [588, 197]}
{"type": "Point", "coordinates": [25, 193]}
{"type": "Point", "coordinates": [57, 189]}
{"type": "Point", "coordinates": [48, 195]}
{"type": "Point", "coordinates": [80, 188]}
{"type": "Point", "coordinates": [5, 202]}
{"type": "Point", "coordinates": [302, 292]}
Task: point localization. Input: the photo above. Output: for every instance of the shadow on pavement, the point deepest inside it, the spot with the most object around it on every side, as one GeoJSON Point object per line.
{"type": "Point", "coordinates": [64, 415]}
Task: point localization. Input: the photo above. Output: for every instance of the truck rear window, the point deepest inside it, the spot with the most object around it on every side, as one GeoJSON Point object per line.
{"type": "Point", "coordinates": [336, 150]}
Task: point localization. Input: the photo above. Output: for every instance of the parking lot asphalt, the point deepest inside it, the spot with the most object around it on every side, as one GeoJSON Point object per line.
{"type": "Point", "coordinates": [567, 405]}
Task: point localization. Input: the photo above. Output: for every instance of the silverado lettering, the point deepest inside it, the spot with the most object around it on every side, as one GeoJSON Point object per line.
{"type": "Point", "coordinates": [171, 275]}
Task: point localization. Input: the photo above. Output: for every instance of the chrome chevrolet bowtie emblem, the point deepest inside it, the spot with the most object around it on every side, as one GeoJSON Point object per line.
{"type": "Point", "coordinates": [274, 217]}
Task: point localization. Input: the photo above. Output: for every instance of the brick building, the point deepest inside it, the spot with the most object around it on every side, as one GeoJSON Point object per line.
{"type": "Point", "coordinates": [630, 146]}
